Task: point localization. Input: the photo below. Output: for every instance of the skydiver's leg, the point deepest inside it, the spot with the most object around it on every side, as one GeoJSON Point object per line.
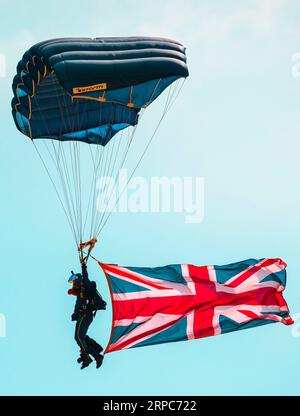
{"type": "Point", "coordinates": [93, 346]}
{"type": "Point", "coordinates": [81, 329]}
{"type": "Point", "coordinates": [95, 350]}
{"type": "Point", "coordinates": [82, 326]}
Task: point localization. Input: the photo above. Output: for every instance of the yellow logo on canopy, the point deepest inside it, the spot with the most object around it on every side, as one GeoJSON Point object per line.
{"type": "Point", "coordinates": [90, 88]}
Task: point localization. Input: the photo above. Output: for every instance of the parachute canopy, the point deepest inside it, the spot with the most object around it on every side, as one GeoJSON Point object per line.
{"type": "Point", "coordinates": [89, 89]}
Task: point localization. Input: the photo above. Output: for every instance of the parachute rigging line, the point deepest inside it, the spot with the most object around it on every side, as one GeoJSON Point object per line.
{"type": "Point", "coordinates": [73, 96]}
{"type": "Point", "coordinates": [168, 106]}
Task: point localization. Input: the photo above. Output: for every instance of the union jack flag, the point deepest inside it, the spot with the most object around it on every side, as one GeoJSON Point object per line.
{"type": "Point", "coordinates": [184, 302]}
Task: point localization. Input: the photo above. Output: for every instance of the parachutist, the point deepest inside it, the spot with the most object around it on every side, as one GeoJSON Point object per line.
{"type": "Point", "coordinates": [88, 301]}
{"type": "Point", "coordinates": [70, 101]}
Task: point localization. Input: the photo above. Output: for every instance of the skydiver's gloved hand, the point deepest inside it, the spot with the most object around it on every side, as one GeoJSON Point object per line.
{"type": "Point", "coordinates": [74, 316]}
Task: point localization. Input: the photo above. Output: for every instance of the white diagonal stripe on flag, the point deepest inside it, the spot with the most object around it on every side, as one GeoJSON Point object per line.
{"type": "Point", "coordinates": [154, 323]}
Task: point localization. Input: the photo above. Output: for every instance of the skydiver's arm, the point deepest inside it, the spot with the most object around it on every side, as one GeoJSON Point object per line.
{"type": "Point", "coordinates": [85, 275]}
{"type": "Point", "coordinates": [90, 287]}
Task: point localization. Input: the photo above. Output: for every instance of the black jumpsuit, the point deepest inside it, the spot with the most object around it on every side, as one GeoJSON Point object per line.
{"type": "Point", "coordinates": [84, 313]}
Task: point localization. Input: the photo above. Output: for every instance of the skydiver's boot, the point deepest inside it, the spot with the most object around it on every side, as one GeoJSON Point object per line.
{"type": "Point", "coordinates": [79, 359]}
{"type": "Point", "coordinates": [93, 346]}
{"type": "Point", "coordinates": [86, 360]}
{"type": "Point", "coordinates": [99, 360]}
{"type": "Point", "coordinates": [95, 350]}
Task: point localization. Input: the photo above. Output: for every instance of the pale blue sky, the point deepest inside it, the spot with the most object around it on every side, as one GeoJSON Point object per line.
{"type": "Point", "coordinates": [236, 123]}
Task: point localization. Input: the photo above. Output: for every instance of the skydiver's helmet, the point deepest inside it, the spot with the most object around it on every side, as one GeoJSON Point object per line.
{"type": "Point", "coordinates": [75, 279]}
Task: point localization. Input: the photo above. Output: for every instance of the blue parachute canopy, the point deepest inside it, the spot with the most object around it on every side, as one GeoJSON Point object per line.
{"type": "Point", "coordinates": [89, 89]}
